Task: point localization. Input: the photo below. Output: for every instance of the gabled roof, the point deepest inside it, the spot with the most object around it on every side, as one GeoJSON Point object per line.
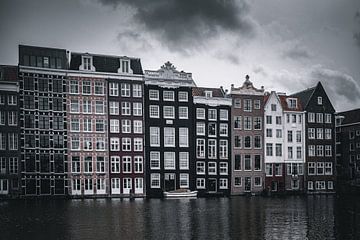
{"type": "Point", "coordinates": [285, 106]}
{"type": "Point", "coordinates": [351, 116]}
{"type": "Point", "coordinates": [105, 63]}
{"type": "Point", "coordinates": [200, 91]}
{"type": "Point", "coordinates": [305, 95]}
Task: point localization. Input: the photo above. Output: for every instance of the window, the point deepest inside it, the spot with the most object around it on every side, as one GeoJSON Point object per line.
{"type": "Point", "coordinates": [74, 106]}
{"type": "Point", "coordinates": [223, 150]}
{"type": "Point", "coordinates": [212, 114]}
{"type": "Point", "coordinates": [58, 122]}
{"type": "Point", "coordinates": [12, 99]}
{"type": "Point", "coordinates": [256, 104]}
{"type": "Point", "coordinates": [2, 97]}
{"type": "Point", "coordinates": [328, 168]}
{"type": "Point", "coordinates": [327, 118]}
{"type": "Point", "coordinates": [44, 122]}
{"type": "Point", "coordinates": [87, 62]}
{"type": "Point", "coordinates": [237, 122]}
{"type": "Point", "coordinates": [183, 137]}
{"type": "Point", "coordinates": [212, 129]}
{"type": "Point", "coordinates": [319, 134]}
{"type": "Point", "coordinates": [13, 141]}
{"type": "Point", "coordinates": [113, 89]}
{"type": "Point", "coordinates": [247, 142]}
{"type": "Point", "coordinates": [154, 160]}
{"type": "Point", "coordinates": [114, 144]}
{"type": "Point", "coordinates": [168, 95]}
{"type": "Point", "coordinates": [154, 136]}
{"type": "Point", "coordinates": [237, 141]}
{"type": "Point", "coordinates": [138, 126]}
{"type": "Point", "coordinates": [126, 164]}
{"type": "Point", "coordinates": [319, 150]}
{"type": "Point", "coordinates": [273, 107]}
{"type": "Point", "coordinates": [154, 111]}
{"type": "Point", "coordinates": [169, 160]}
{"type": "Point", "coordinates": [75, 164]}
{"type": "Point", "coordinates": [126, 144]}
{"type": "Point", "coordinates": [155, 180]}
{"type": "Point", "coordinates": [208, 94]}
{"type": "Point", "coordinates": [319, 100]}
{"type": "Point", "coordinates": [75, 143]}
{"type": "Point", "coordinates": [100, 144]}
{"type": "Point", "coordinates": [57, 104]}
{"type": "Point", "coordinates": [298, 152]}
{"type": "Point", "coordinates": [169, 112]}
{"type": "Point", "coordinates": [211, 148]}
{"type": "Point", "coordinates": [200, 113]}
{"type": "Point", "coordinates": [320, 168]}
{"type": "Point", "coordinates": [138, 144]}
{"type": "Point", "coordinates": [319, 117]}
{"type": "Point", "coordinates": [29, 102]}
{"type": "Point", "coordinates": [125, 108]}
{"type": "Point", "coordinates": [125, 89]}
{"type": "Point", "coordinates": [184, 160]}
{"type": "Point", "coordinates": [298, 136]}
{"type": "Point", "coordinates": [137, 109]}
{"type": "Point", "coordinates": [278, 149]}
{"type": "Point", "coordinates": [310, 185]}
{"type": "Point", "coordinates": [247, 162]}
{"type": "Point", "coordinates": [257, 162]}
{"type": "Point", "coordinates": [138, 164]}
{"type": "Point", "coordinates": [278, 133]}
{"type": "Point", "coordinates": [330, 185]}
{"type": "Point", "coordinates": [184, 180]}
{"type": "Point", "coordinates": [237, 103]}
{"type": "Point", "coordinates": [183, 96]}
{"type": "Point", "coordinates": [99, 125]}
{"type": "Point", "coordinates": [247, 105]}
{"type": "Point", "coordinates": [153, 95]}
{"type": "Point", "coordinates": [212, 168]}
{"type": "Point", "coordinates": [327, 133]}
{"type": "Point", "coordinates": [137, 90]}
{"type": "Point", "coordinates": [293, 117]}
{"type": "Point", "coordinates": [87, 143]}
{"type": "Point", "coordinates": [126, 126]}
{"type": "Point", "coordinates": [114, 108]}
{"type": "Point", "coordinates": [237, 166]}
{"type": "Point", "coordinates": [115, 164]}
{"type": "Point", "coordinates": [290, 152]}
{"type": "Point", "coordinates": [311, 133]}
{"type": "Point", "coordinates": [200, 128]}
{"type": "Point", "coordinates": [99, 107]}
{"type": "Point", "coordinates": [200, 148]}
{"type": "Point", "coordinates": [311, 117]}
{"type": "Point", "coordinates": [183, 112]}
{"type": "Point", "coordinates": [44, 103]}
{"type": "Point", "coordinates": [223, 183]}
{"type": "Point", "coordinates": [74, 87]}
{"type": "Point", "coordinates": [257, 123]}
{"type": "Point", "coordinates": [13, 165]}
{"type": "Point", "coordinates": [223, 114]}
{"type": "Point", "coordinates": [257, 142]}
{"type": "Point", "coordinates": [268, 119]}
{"type": "Point", "coordinates": [125, 65]}
{"type": "Point", "coordinates": [223, 131]}
{"type": "Point", "coordinates": [12, 118]}
{"type": "Point", "coordinates": [290, 136]}
{"type": "Point", "coordinates": [100, 164]}
{"type": "Point", "coordinates": [328, 151]}
{"type": "Point", "coordinates": [257, 182]}
{"type": "Point", "coordinates": [88, 164]}
{"type": "Point", "coordinates": [87, 106]}
{"type": "Point", "coordinates": [200, 183]}
{"type": "Point", "coordinates": [247, 123]}
{"type": "Point", "coordinates": [311, 150]}
{"type": "Point", "coordinates": [169, 137]}
{"type": "Point", "coordinates": [269, 132]}
{"type": "Point", "coordinates": [3, 141]}
{"type": "Point", "coordinates": [278, 120]}
{"type": "Point", "coordinates": [268, 169]}
{"type": "Point", "coordinates": [269, 149]}
{"type": "Point", "coordinates": [75, 125]}
{"type": "Point", "coordinates": [200, 167]}
{"type": "Point", "coordinates": [114, 126]}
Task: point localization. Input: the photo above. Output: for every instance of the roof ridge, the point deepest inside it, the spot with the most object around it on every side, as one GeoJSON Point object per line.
{"type": "Point", "coordinates": [308, 89]}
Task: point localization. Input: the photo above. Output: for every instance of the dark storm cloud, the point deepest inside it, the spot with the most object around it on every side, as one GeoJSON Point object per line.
{"type": "Point", "coordinates": [297, 52]}
{"type": "Point", "coordinates": [188, 23]}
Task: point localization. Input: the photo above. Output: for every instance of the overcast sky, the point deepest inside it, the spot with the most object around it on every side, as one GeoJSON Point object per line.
{"type": "Point", "coordinates": [283, 45]}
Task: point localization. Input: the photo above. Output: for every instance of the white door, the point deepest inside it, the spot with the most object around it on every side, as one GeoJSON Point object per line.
{"type": "Point", "coordinates": [139, 189]}
{"type": "Point", "coordinates": [88, 187]}
{"type": "Point", "coordinates": [126, 185]}
{"type": "Point", "coordinates": [115, 186]}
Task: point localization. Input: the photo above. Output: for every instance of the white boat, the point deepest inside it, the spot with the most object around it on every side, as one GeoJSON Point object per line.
{"type": "Point", "coordinates": [181, 193]}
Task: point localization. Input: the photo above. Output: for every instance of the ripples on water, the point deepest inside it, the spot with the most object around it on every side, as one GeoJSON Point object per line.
{"type": "Point", "coordinates": [313, 217]}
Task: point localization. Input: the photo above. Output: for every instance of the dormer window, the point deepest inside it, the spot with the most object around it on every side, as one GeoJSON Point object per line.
{"type": "Point", "coordinates": [292, 103]}
{"type": "Point", "coordinates": [319, 100]}
{"type": "Point", "coordinates": [208, 94]}
{"type": "Point", "coordinates": [87, 63]}
{"type": "Point", "coordinates": [125, 66]}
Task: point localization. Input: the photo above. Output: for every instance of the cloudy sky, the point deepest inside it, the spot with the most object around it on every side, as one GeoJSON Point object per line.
{"type": "Point", "coordinates": [283, 45]}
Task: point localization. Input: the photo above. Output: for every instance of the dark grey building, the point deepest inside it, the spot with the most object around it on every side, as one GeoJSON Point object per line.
{"type": "Point", "coordinates": [9, 131]}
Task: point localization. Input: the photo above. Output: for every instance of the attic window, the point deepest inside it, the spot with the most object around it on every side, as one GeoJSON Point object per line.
{"type": "Point", "coordinates": [292, 103]}
{"type": "Point", "coordinates": [125, 66]}
{"type": "Point", "coordinates": [319, 100]}
{"type": "Point", "coordinates": [208, 94]}
{"type": "Point", "coordinates": [87, 63]}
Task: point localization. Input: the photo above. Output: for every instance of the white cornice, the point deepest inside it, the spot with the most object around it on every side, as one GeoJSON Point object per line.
{"type": "Point", "coordinates": [214, 101]}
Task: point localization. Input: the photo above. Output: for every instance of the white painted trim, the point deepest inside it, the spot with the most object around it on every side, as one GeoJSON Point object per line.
{"type": "Point", "coordinates": [215, 101]}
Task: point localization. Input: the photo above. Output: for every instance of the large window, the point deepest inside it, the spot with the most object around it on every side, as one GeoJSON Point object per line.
{"type": "Point", "coordinates": [183, 137]}
{"type": "Point", "coordinates": [154, 160]}
{"type": "Point", "coordinates": [115, 164]}
{"type": "Point", "coordinates": [126, 164]}
{"type": "Point", "coordinates": [153, 94]}
{"type": "Point", "coordinates": [88, 144]}
{"type": "Point", "coordinates": [100, 125]}
{"type": "Point", "coordinates": [126, 144]}
{"type": "Point", "coordinates": [137, 124]}
{"type": "Point", "coordinates": [183, 112]}
{"type": "Point", "coordinates": [114, 144]}
{"type": "Point", "coordinates": [200, 148]}
{"type": "Point", "coordinates": [223, 168]}
{"type": "Point", "coordinates": [200, 128]}
{"type": "Point", "coordinates": [183, 96]}
{"type": "Point", "coordinates": [223, 131]}
{"type": "Point", "coordinates": [137, 109]}
{"type": "Point", "coordinates": [114, 126]}
{"type": "Point", "coordinates": [257, 162]}
{"type": "Point", "coordinates": [138, 144]}
{"type": "Point", "coordinates": [212, 168]}
{"type": "Point", "coordinates": [138, 164]}
{"type": "Point", "coordinates": [137, 90]}
{"type": "Point", "coordinates": [169, 137]}
{"type": "Point", "coordinates": [100, 164]}
{"type": "Point", "coordinates": [247, 123]}
{"type": "Point", "coordinates": [169, 160]}
{"type": "Point", "coordinates": [247, 162]}
{"type": "Point", "coordinates": [125, 108]}
{"type": "Point", "coordinates": [87, 108]}
{"type": "Point", "coordinates": [212, 148]}
{"type": "Point", "coordinates": [99, 107]}
{"type": "Point", "coordinates": [126, 126]}
{"type": "Point", "coordinates": [155, 180]}
{"type": "Point", "coordinates": [247, 105]}
{"type": "Point", "coordinates": [154, 136]}
{"type": "Point", "coordinates": [113, 89]}
{"type": "Point", "coordinates": [114, 108]}
{"type": "Point", "coordinates": [169, 112]}
{"type": "Point", "coordinates": [200, 113]}
{"type": "Point", "coordinates": [125, 89]}
{"type": "Point", "coordinates": [75, 164]}
{"type": "Point", "coordinates": [154, 111]}
{"type": "Point", "coordinates": [168, 95]}
{"type": "Point", "coordinates": [238, 164]}
{"type": "Point", "coordinates": [88, 164]}
{"type": "Point", "coordinates": [212, 129]}
{"type": "Point", "coordinates": [74, 87]}
{"type": "Point", "coordinates": [184, 160]}
{"type": "Point", "coordinates": [75, 143]}
{"type": "Point", "coordinates": [75, 125]}
{"type": "Point", "coordinates": [223, 150]}
{"type": "Point", "coordinates": [44, 104]}
{"type": "Point", "coordinates": [212, 114]}
{"type": "Point", "coordinates": [184, 180]}
{"type": "Point", "coordinates": [237, 122]}
{"type": "Point", "coordinates": [86, 88]}
{"type": "Point", "coordinates": [223, 114]}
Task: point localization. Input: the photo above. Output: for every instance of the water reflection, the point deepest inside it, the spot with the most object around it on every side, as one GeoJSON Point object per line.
{"type": "Point", "coordinates": [313, 217]}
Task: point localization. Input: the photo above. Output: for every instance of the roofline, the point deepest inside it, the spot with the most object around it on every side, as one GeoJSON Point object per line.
{"type": "Point", "coordinates": [52, 48]}
{"type": "Point", "coordinates": [103, 55]}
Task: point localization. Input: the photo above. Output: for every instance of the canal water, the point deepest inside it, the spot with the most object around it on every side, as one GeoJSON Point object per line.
{"type": "Point", "coordinates": [293, 217]}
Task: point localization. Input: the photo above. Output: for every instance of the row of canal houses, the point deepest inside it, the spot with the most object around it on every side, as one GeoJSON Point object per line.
{"type": "Point", "coordinates": [83, 124]}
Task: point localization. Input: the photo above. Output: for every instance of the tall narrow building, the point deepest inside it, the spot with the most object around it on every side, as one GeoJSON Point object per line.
{"type": "Point", "coordinates": [42, 77]}
{"type": "Point", "coordinates": [9, 132]}
{"type": "Point", "coordinates": [105, 157]}
{"type": "Point", "coordinates": [169, 124]}
{"type": "Point", "coordinates": [212, 141]}
{"type": "Point", "coordinates": [247, 115]}
{"type": "Point", "coordinates": [320, 139]}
